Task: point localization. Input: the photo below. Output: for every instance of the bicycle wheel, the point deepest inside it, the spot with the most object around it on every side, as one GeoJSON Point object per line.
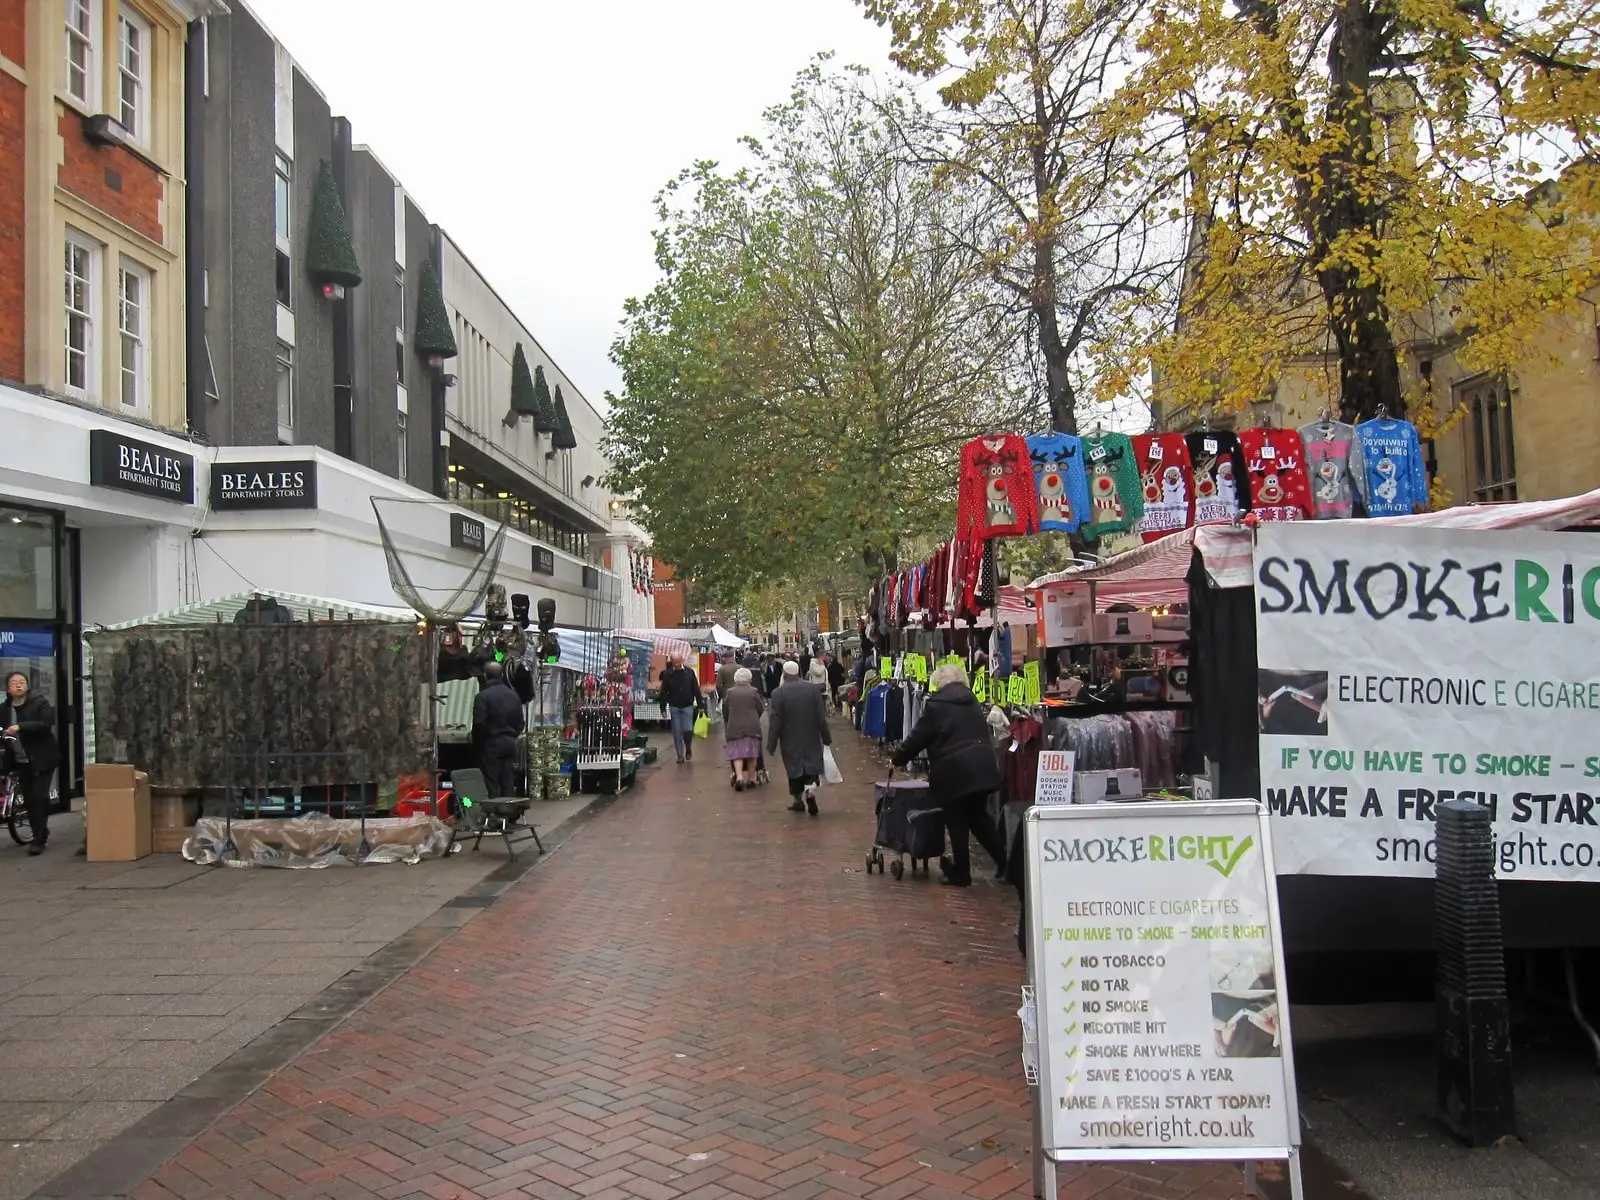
{"type": "Point", "coordinates": [17, 825]}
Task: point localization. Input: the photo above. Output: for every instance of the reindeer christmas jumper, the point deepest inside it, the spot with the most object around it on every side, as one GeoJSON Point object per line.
{"type": "Point", "coordinates": [1221, 482]}
{"type": "Point", "coordinates": [1115, 502]}
{"type": "Point", "coordinates": [1060, 481]}
{"type": "Point", "coordinates": [1166, 483]}
{"type": "Point", "coordinates": [996, 497]}
{"type": "Point", "coordinates": [1280, 486]}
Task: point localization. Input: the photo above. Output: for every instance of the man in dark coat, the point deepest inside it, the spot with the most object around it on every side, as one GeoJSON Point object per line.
{"type": "Point", "coordinates": [797, 720]}
{"type": "Point", "coordinates": [680, 692]}
{"type": "Point", "coordinates": [497, 722]}
{"type": "Point", "coordinates": [31, 719]}
{"type": "Point", "coordinates": [961, 767]}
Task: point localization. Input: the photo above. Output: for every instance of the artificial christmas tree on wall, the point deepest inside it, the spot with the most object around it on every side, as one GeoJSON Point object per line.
{"type": "Point", "coordinates": [524, 402]}
{"type": "Point", "coordinates": [544, 411]}
{"type": "Point", "coordinates": [434, 339]}
{"type": "Point", "coordinates": [330, 253]}
{"type": "Point", "coordinates": [564, 438]}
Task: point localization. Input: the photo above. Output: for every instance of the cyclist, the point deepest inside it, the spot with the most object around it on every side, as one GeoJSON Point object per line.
{"type": "Point", "coordinates": [31, 719]}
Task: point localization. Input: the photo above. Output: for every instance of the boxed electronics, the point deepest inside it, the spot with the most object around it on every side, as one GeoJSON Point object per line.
{"type": "Point", "coordinates": [1064, 614]}
{"type": "Point", "coordinates": [1123, 627]}
{"type": "Point", "coordinates": [1091, 787]}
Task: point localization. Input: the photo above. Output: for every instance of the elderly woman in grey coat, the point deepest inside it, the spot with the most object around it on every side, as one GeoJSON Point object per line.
{"type": "Point", "coordinates": [798, 721]}
{"type": "Point", "coordinates": [742, 707]}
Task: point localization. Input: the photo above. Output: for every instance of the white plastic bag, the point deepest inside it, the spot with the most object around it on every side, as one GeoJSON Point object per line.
{"type": "Point", "coordinates": [830, 769]}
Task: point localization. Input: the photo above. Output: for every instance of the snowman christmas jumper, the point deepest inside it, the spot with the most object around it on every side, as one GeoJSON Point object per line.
{"type": "Point", "coordinates": [1280, 490]}
{"type": "Point", "coordinates": [1333, 461]}
{"type": "Point", "coordinates": [1396, 482]}
{"type": "Point", "coordinates": [1060, 481]}
{"type": "Point", "coordinates": [1166, 482]}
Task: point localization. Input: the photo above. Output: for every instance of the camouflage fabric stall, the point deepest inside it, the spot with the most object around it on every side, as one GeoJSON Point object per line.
{"type": "Point", "coordinates": [178, 700]}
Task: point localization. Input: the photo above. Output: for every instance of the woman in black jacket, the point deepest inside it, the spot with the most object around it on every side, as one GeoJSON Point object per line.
{"type": "Point", "coordinates": [961, 771]}
{"type": "Point", "coordinates": [31, 719]}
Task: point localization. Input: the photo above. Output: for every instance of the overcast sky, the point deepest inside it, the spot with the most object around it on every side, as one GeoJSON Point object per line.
{"type": "Point", "coordinates": [536, 132]}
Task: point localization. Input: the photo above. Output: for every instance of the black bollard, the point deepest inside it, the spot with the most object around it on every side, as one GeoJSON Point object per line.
{"type": "Point", "coordinates": [1474, 1016]}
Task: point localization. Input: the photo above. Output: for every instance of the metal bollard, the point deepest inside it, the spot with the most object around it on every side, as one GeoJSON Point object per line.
{"type": "Point", "coordinates": [1474, 1017]}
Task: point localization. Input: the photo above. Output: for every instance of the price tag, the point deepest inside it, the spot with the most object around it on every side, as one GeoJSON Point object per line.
{"type": "Point", "coordinates": [1267, 451]}
{"type": "Point", "coordinates": [1097, 452]}
{"type": "Point", "coordinates": [1015, 690]}
{"type": "Point", "coordinates": [1156, 452]}
{"type": "Point", "coordinates": [980, 684]}
{"type": "Point", "coordinates": [1211, 445]}
{"type": "Point", "coordinates": [917, 667]}
{"type": "Point", "coordinates": [886, 668]}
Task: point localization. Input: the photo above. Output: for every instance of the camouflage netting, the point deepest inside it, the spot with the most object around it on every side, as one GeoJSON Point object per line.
{"type": "Point", "coordinates": [175, 700]}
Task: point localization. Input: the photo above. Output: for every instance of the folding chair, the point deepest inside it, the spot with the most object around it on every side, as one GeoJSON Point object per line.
{"type": "Point", "coordinates": [477, 813]}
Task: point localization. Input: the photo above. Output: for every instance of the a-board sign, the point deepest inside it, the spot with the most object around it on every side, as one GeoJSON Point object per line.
{"type": "Point", "coordinates": [1054, 782]}
{"type": "Point", "coordinates": [1400, 668]}
{"type": "Point", "coordinates": [1155, 950]}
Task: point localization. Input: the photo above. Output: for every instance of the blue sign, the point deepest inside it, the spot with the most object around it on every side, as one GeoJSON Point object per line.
{"type": "Point", "coordinates": [27, 643]}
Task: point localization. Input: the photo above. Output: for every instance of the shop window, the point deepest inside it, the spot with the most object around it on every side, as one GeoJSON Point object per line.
{"type": "Point", "coordinates": [133, 68]}
{"type": "Point", "coordinates": [286, 398]}
{"type": "Point", "coordinates": [27, 565]}
{"type": "Point", "coordinates": [83, 23]}
{"type": "Point", "coordinates": [133, 315]}
{"type": "Point", "coordinates": [1494, 447]}
{"type": "Point", "coordinates": [400, 327]}
{"type": "Point", "coordinates": [82, 277]}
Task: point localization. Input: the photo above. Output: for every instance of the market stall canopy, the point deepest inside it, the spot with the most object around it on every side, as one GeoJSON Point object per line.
{"type": "Point", "coordinates": [1155, 572]}
{"type": "Point", "coordinates": [671, 641]}
{"type": "Point", "coordinates": [302, 608]}
{"type": "Point", "coordinates": [730, 641]}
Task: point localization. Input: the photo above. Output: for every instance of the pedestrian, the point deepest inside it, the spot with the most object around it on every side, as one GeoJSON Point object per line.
{"type": "Point", "coordinates": [680, 692]}
{"type": "Point", "coordinates": [497, 723]}
{"type": "Point", "coordinates": [725, 670]}
{"type": "Point", "coordinates": [798, 721]}
{"type": "Point", "coordinates": [30, 719]}
{"type": "Point", "coordinates": [774, 674]}
{"type": "Point", "coordinates": [836, 680]}
{"type": "Point", "coordinates": [741, 728]}
{"type": "Point", "coordinates": [817, 673]}
{"type": "Point", "coordinates": [961, 767]}
{"type": "Point", "coordinates": [805, 662]}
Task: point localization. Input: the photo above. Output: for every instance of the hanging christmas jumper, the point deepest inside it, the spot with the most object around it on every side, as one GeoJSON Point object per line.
{"type": "Point", "coordinates": [1166, 482]}
{"type": "Point", "coordinates": [996, 496]}
{"type": "Point", "coordinates": [1396, 482]}
{"type": "Point", "coordinates": [1115, 504]}
{"type": "Point", "coordinates": [1059, 478]}
{"type": "Point", "coordinates": [1333, 462]}
{"type": "Point", "coordinates": [1220, 491]}
{"type": "Point", "coordinates": [1279, 487]}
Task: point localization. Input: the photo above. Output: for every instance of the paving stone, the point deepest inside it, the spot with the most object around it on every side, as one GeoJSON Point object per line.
{"type": "Point", "coordinates": [700, 995]}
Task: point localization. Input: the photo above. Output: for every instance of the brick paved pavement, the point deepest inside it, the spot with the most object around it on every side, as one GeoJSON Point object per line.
{"type": "Point", "coordinates": [701, 995]}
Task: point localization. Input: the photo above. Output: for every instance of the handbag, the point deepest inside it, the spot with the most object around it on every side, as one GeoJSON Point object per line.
{"type": "Point", "coordinates": [830, 768]}
{"type": "Point", "coordinates": [702, 726]}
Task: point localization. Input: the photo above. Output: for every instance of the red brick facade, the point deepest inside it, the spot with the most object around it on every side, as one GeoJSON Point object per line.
{"type": "Point", "coordinates": [13, 30]}
{"type": "Point", "coordinates": [111, 179]}
{"type": "Point", "coordinates": [669, 598]}
{"type": "Point", "coordinates": [13, 226]}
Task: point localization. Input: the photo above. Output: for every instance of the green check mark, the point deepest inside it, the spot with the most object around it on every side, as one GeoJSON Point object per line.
{"type": "Point", "coordinates": [1070, 1008]}
{"type": "Point", "coordinates": [1071, 962]}
{"type": "Point", "coordinates": [1070, 986]}
{"type": "Point", "coordinates": [1226, 869]}
{"type": "Point", "coordinates": [1072, 1029]}
{"type": "Point", "coordinates": [1073, 1053]}
{"type": "Point", "coordinates": [1073, 1078]}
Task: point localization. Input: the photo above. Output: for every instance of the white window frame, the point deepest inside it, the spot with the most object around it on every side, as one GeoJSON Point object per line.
{"type": "Point", "coordinates": [75, 36]}
{"type": "Point", "coordinates": [402, 445]}
{"type": "Point", "coordinates": [129, 19]}
{"type": "Point", "coordinates": [84, 316]}
{"type": "Point", "coordinates": [400, 327]}
{"type": "Point", "coordinates": [134, 335]}
{"type": "Point", "coordinates": [283, 168]}
{"type": "Point", "coordinates": [284, 359]}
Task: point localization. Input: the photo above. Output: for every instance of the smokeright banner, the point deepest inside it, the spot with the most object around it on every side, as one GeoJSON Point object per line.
{"type": "Point", "coordinates": [1400, 668]}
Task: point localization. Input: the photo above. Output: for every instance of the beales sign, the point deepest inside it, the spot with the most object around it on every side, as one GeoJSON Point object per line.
{"type": "Point", "coordinates": [278, 483]}
{"type": "Point", "coordinates": [145, 469]}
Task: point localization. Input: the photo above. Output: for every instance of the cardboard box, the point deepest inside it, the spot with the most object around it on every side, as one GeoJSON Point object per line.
{"type": "Point", "coordinates": [1091, 787]}
{"type": "Point", "coordinates": [118, 821]}
{"type": "Point", "coordinates": [1123, 627]}
{"type": "Point", "coordinates": [1064, 617]}
{"type": "Point", "coordinates": [108, 777]}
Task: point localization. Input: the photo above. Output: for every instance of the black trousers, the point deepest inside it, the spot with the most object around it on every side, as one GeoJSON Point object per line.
{"type": "Point", "coordinates": [498, 761]}
{"type": "Point", "coordinates": [964, 815]}
{"type": "Point", "coordinates": [36, 799]}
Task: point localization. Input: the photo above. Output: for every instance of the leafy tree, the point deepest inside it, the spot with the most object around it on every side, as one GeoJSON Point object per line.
{"type": "Point", "coordinates": [799, 382]}
{"type": "Point", "coordinates": [1355, 175]}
